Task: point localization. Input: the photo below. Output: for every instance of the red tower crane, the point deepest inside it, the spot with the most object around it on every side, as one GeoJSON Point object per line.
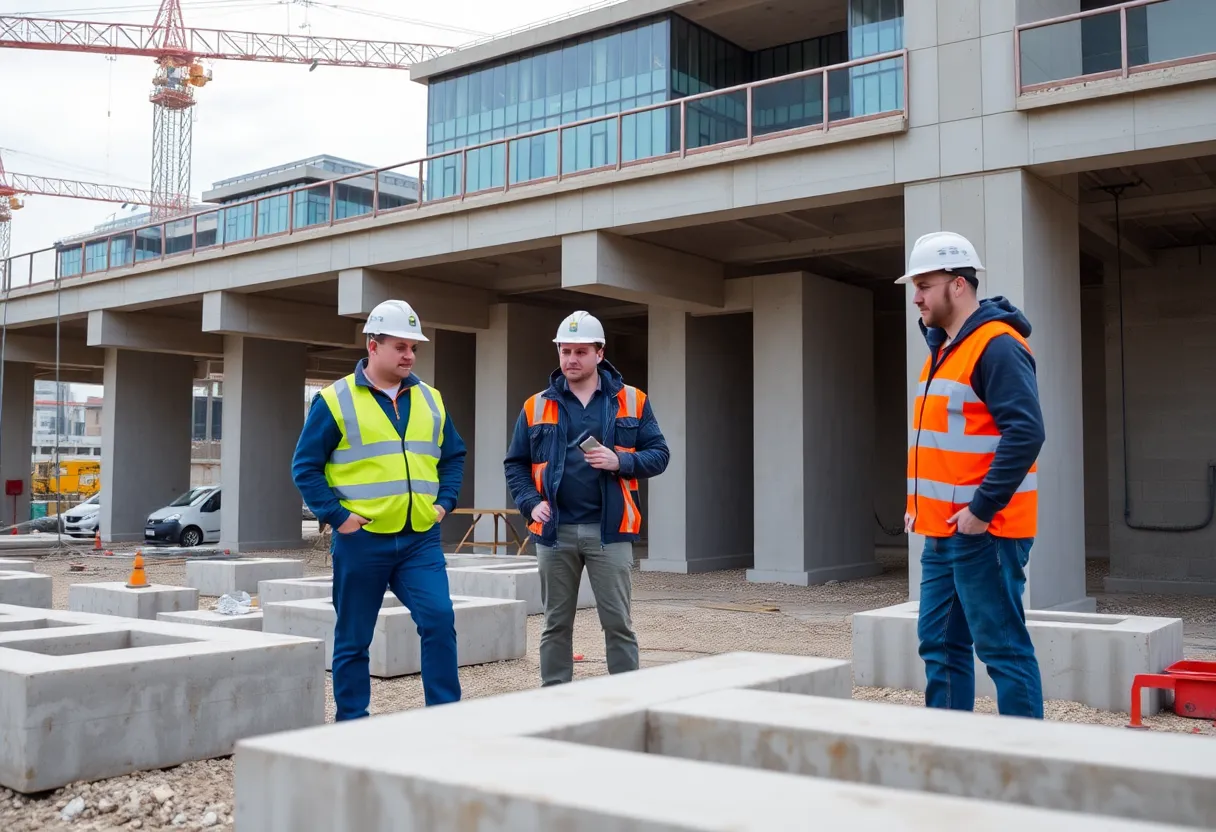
{"type": "Point", "coordinates": [178, 52]}
{"type": "Point", "coordinates": [14, 185]}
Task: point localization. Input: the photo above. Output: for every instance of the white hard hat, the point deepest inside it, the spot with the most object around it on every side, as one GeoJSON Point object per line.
{"type": "Point", "coordinates": [396, 318]}
{"type": "Point", "coordinates": [941, 251]}
{"type": "Point", "coordinates": [580, 328]}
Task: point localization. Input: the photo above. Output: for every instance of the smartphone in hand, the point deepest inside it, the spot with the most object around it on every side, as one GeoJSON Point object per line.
{"type": "Point", "coordinates": [589, 444]}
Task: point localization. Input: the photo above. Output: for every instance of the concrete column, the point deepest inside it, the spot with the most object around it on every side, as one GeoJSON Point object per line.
{"type": "Point", "coordinates": [701, 508]}
{"type": "Point", "coordinates": [424, 358]}
{"type": "Point", "coordinates": [17, 439]}
{"type": "Point", "coordinates": [145, 449]}
{"type": "Point", "coordinates": [515, 356]}
{"type": "Point", "coordinates": [1026, 231]}
{"type": "Point", "coordinates": [263, 415]}
{"type": "Point", "coordinates": [454, 356]}
{"type": "Point", "coordinates": [814, 430]}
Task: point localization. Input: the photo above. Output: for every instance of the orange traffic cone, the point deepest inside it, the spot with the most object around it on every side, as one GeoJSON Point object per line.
{"type": "Point", "coordinates": [138, 579]}
{"type": "Point", "coordinates": [97, 540]}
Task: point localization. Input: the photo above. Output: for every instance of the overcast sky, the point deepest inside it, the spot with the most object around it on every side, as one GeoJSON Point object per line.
{"type": "Point", "coordinates": [87, 117]}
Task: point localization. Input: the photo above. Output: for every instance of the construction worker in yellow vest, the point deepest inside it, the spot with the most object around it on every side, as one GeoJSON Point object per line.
{"type": "Point", "coordinates": [380, 461]}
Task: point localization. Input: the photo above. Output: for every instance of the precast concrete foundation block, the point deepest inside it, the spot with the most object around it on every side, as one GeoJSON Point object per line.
{"type": "Point", "coordinates": [220, 577]}
{"type": "Point", "coordinates": [1089, 658]}
{"type": "Point", "coordinates": [464, 758]}
{"type": "Point", "coordinates": [505, 580]}
{"type": "Point", "coordinates": [251, 620]}
{"type": "Point", "coordinates": [295, 589]}
{"type": "Point", "coordinates": [464, 559]}
{"type": "Point", "coordinates": [487, 630]}
{"type": "Point", "coordinates": [116, 598]}
{"type": "Point", "coordinates": [1087, 769]}
{"type": "Point", "coordinates": [26, 589]}
{"type": "Point", "coordinates": [90, 696]}
{"type": "Point", "coordinates": [16, 565]}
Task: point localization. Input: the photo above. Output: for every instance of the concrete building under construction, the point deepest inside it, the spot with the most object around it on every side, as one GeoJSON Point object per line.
{"type": "Point", "coordinates": [732, 186]}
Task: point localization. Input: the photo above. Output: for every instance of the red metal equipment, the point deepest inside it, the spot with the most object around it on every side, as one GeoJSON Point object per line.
{"type": "Point", "coordinates": [178, 51]}
{"type": "Point", "coordinates": [1194, 686]}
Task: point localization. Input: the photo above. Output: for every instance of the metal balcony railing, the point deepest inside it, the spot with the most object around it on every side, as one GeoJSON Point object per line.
{"type": "Point", "coordinates": [1115, 41]}
{"type": "Point", "coordinates": [815, 100]}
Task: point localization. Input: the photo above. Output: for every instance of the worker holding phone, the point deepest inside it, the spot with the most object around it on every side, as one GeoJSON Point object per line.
{"type": "Point", "coordinates": [579, 448]}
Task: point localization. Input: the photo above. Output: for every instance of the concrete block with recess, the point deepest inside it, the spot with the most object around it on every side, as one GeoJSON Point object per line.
{"type": "Point", "coordinates": [295, 589]}
{"type": "Point", "coordinates": [1088, 769]}
{"type": "Point", "coordinates": [26, 589]}
{"type": "Point", "coordinates": [219, 577]}
{"type": "Point", "coordinates": [487, 630]}
{"type": "Point", "coordinates": [592, 729]}
{"type": "Point", "coordinates": [116, 598]}
{"type": "Point", "coordinates": [1083, 657]}
{"type": "Point", "coordinates": [90, 696]}
{"type": "Point", "coordinates": [251, 620]}
{"type": "Point", "coordinates": [504, 580]}
{"type": "Point", "coordinates": [16, 565]}
{"type": "Point", "coordinates": [302, 589]}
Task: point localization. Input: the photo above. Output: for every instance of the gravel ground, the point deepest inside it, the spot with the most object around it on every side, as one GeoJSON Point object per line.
{"type": "Point", "coordinates": [676, 616]}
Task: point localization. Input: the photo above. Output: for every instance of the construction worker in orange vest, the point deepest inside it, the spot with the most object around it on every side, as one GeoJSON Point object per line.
{"type": "Point", "coordinates": [977, 429]}
{"type": "Point", "coordinates": [580, 446]}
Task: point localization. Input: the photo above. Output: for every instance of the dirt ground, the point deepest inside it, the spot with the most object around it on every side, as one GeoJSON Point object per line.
{"type": "Point", "coordinates": [676, 617]}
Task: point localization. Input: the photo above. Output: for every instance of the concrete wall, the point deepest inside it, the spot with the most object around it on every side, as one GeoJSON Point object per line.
{"type": "Point", "coordinates": [1169, 340]}
{"type": "Point", "coordinates": [1093, 405]}
{"type": "Point", "coordinates": [890, 427]}
{"type": "Point", "coordinates": [16, 438]}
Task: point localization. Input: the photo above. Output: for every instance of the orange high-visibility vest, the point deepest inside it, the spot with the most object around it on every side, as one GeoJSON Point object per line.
{"type": "Point", "coordinates": [630, 404]}
{"type": "Point", "coordinates": [953, 442]}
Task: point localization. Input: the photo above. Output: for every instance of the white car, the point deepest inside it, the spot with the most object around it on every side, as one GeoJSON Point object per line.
{"type": "Point", "coordinates": [190, 520]}
{"type": "Point", "coordinates": [82, 520]}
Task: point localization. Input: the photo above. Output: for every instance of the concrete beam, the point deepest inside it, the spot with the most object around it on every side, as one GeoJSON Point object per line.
{"type": "Point", "coordinates": [1106, 233]}
{"type": "Point", "coordinates": [440, 305]}
{"type": "Point", "coordinates": [229, 313]}
{"type": "Point", "coordinates": [147, 332]}
{"type": "Point", "coordinates": [617, 267]}
{"type": "Point", "coordinates": [73, 375]}
{"type": "Point", "coordinates": [818, 246]}
{"type": "Point", "coordinates": [1183, 202]}
{"type": "Point", "coordinates": [524, 283]}
{"type": "Point", "coordinates": [37, 349]}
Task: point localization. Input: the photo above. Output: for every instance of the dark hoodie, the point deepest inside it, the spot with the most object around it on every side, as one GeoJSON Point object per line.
{"type": "Point", "coordinates": [1004, 379]}
{"type": "Point", "coordinates": [549, 445]}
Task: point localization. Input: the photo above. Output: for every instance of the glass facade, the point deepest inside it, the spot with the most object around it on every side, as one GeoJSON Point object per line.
{"type": "Point", "coordinates": [643, 63]}
{"type": "Point", "coordinates": [351, 198]}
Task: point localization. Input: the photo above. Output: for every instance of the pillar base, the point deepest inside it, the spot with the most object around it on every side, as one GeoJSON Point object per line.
{"type": "Point", "coordinates": [814, 577]}
{"type": "Point", "coordinates": [695, 566]}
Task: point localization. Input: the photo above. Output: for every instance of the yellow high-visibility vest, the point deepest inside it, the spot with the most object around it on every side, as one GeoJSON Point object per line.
{"type": "Point", "coordinates": [377, 474]}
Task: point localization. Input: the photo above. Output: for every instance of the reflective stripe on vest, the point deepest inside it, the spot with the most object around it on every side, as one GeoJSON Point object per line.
{"type": "Point", "coordinates": [373, 471]}
{"type": "Point", "coordinates": [952, 444]}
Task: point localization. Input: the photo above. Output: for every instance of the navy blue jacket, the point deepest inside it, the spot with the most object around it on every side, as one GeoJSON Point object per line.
{"type": "Point", "coordinates": [547, 443]}
{"type": "Point", "coordinates": [321, 435]}
{"type": "Point", "coordinates": [1004, 379]}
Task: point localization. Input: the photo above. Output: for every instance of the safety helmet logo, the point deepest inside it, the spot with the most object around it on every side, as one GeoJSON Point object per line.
{"type": "Point", "coordinates": [574, 326]}
{"type": "Point", "coordinates": [413, 321]}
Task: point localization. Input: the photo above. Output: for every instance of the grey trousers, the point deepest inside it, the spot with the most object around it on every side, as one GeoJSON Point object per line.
{"type": "Point", "coordinates": [561, 572]}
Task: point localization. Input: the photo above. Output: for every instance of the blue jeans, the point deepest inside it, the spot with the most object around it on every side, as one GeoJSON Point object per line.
{"type": "Point", "coordinates": [412, 565]}
{"type": "Point", "coordinates": [971, 590]}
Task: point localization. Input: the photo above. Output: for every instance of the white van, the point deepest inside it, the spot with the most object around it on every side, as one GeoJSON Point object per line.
{"type": "Point", "coordinates": [190, 520]}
